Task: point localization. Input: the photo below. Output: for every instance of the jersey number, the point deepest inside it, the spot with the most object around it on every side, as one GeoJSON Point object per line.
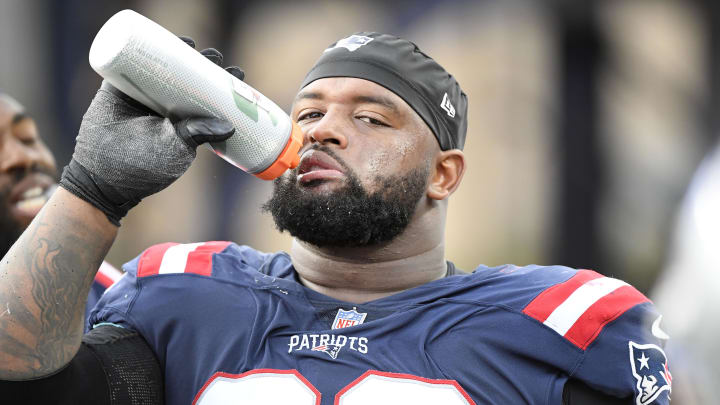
{"type": "Point", "coordinates": [289, 387]}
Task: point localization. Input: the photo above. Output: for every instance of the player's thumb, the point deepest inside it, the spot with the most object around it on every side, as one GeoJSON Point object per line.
{"type": "Point", "coordinates": [196, 131]}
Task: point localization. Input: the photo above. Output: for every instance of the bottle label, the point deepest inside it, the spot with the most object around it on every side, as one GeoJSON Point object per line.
{"type": "Point", "coordinates": [248, 101]}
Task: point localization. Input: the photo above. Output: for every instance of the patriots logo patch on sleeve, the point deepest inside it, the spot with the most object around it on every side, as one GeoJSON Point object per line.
{"type": "Point", "coordinates": [650, 369]}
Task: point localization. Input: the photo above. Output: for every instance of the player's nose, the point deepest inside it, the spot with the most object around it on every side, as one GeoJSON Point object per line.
{"type": "Point", "coordinates": [328, 130]}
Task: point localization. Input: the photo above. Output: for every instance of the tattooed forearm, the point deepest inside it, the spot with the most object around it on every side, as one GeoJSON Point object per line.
{"type": "Point", "coordinates": [57, 284]}
{"type": "Point", "coordinates": [44, 282]}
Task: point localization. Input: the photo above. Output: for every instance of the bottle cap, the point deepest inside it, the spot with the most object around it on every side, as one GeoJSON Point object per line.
{"type": "Point", "coordinates": [289, 157]}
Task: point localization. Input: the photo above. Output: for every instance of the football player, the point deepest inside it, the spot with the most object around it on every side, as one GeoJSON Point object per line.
{"type": "Point", "coordinates": [364, 308]}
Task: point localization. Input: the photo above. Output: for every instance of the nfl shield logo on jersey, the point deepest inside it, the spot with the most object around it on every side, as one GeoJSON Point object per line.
{"type": "Point", "coordinates": [344, 319]}
{"type": "Point", "coordinates": [650, 369]}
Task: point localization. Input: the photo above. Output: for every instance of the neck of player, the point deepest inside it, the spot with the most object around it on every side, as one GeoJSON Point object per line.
{"type": "Point", "coordinates": [363, 274]}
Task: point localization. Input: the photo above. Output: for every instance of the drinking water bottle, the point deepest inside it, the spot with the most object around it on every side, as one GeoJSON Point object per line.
{"type": "Point", "coordinates": [156, 68]}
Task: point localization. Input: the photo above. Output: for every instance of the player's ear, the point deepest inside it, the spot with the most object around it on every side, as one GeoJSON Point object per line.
{"type": "Point", "coordinates": [449, 169]}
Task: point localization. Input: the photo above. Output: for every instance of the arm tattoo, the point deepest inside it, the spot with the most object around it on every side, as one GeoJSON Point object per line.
{"type": "Point", "coordinates": [55, 289]}
{"type": "Point", "coordinates": [43, 325]}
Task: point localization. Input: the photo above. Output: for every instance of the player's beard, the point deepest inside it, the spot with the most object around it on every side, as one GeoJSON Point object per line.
{"type": "Point", "coordinates": [10, 229]}
{"type": "Point", "coordinates": [349, 216]}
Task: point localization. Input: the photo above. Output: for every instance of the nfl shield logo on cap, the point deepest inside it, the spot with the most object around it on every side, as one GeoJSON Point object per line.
{"type": "Point", "coordinates": [345, 319]}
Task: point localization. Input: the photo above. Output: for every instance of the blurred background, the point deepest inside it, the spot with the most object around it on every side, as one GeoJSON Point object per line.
{"type": "Point", "coordinates": [587, 119]}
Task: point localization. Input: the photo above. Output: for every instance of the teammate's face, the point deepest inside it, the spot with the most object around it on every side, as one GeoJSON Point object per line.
{"type": "Point", "coordinates": [27, 170]}
{"type": "Point", "coordinates": [364, 166]}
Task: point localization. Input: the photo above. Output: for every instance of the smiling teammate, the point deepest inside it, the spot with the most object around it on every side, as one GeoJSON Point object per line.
{"type": "Point", "coordinates": [364, 308]}
{"type": "Point", "coordinates": [27, 179]}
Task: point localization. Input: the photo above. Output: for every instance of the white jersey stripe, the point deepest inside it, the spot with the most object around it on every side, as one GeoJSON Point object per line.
{"type": "Point", "coordinates": [565, 315]}
{"type": "Point", "coordinates": [110, 271]}
{"type": "Point", "coordinates": [175, 258]}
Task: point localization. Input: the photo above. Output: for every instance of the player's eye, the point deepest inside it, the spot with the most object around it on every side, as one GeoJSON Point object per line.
{"type": "Point", "coordinates": [29, 140]}
{"type": "Point", "coordinates": [25, 138]}
{"type": "Point", "coordinates": [309, 115]}
{"type": "Point", "coordinates": [373, 121]}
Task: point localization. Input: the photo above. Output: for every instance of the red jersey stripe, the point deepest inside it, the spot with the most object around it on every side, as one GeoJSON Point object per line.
{"type": "Point", "coordinates": [603, 311]}
{"type": "Point", "coordinates": [151, 259]}
{"type": "Point", "coordinates": [103, 280]}
{"type": "Point", "coordinates": [545, 303]}
{"type": "Point", "coordinates": [199, 261]}
{"type": "Point", "coordinates": [107, 275]}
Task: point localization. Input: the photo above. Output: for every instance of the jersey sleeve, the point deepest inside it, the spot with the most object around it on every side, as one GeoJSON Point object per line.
{"type": "Point", "coordinates": [629, 357]}
{"type": "Point", "coordinates": [166, 259]}
{"type": "Point", "coordinates": [617, 330]}
{"type": "Point", "coordinates": [114, 301]}
{"type": "Point", "coordinates": [106, 276]}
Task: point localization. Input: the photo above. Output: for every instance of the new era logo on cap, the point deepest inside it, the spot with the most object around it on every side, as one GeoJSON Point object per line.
{"type": "Point", "coordinates": [447, 106]}
{"type": "Point", "coordinates": [351, 43]}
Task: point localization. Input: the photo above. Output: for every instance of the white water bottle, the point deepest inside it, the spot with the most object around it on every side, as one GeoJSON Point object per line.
{"type": "Point", "coordinates": [155, 67]}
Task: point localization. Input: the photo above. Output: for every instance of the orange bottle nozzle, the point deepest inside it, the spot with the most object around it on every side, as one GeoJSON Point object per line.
{"type": "Point", "coordinates": [288, 159]}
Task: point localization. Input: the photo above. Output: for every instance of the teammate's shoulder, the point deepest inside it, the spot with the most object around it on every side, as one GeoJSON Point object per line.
{"type": "Point", "coordinates": [200, 258]}
{"type": "Point", "coordinates": [107, 275]}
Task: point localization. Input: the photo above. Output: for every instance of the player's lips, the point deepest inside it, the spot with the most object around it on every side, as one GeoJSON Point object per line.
{"type": "Point", "coordinates": [318, 165]}
{"type": "Point", "coordinates": [29, 196]}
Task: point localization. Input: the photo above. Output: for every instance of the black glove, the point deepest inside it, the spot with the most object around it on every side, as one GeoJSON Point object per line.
{"type": "Point", "coordinates": [124, 151]}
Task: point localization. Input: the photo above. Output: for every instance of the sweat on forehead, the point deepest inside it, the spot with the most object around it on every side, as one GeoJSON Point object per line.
{"type": "Point", "coordinates": [401, 67]}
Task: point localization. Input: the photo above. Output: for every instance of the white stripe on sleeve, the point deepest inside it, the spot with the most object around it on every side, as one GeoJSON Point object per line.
{"type": "Point", "coordinates": [110, 271]}
{"type": "Point", "coordinates": [567, 313]}
{"type": "Point", "coordinates": [175, 258]}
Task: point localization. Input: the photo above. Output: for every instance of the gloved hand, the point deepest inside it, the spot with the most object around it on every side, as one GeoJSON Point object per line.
{"type": "Point", "coordinates": [124, 151]}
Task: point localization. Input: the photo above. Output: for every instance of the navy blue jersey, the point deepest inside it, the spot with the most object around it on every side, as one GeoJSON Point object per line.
{"type": "Point", "coordinates": [104, 278]}
{"type": "Point", "coordinates": [227, 321]}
